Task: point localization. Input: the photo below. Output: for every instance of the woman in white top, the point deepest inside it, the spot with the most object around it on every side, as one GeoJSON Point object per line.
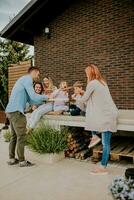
{"type": "Point", "coordinates": [101, 113]}
{"type": "Point", "coordinates": [48, 85]}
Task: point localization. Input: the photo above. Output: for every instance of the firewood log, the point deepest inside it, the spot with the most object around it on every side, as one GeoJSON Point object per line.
{"type": "Point", "coordinates": [85, 153]}
{"type": "Point", "coordinates": [80, 148]}
{"type": "Point", "coordinates": [72, 134]}
{"type": "Point", "coordinates": [77, 155]}
{"type": "Point", "coordinates": [72, 155]}
{"type": "Point", "coordinates": [71, 147]}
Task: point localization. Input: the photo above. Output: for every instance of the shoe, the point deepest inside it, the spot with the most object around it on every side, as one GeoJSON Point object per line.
{"type": "Point", "coordinates": [5, 127]}
{"type": "Point", "coordinates": [99, 171]}
{"type": "Point", "coordinates": [26, 164]}
{"type": "Point", "coordinates": [13, 161]}
{"type": "Point", "coordinates": [66, 113]}
{"type": "Point", "coordinates": [94, 142]}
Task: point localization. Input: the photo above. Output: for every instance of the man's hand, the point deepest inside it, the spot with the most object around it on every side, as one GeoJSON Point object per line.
{"type": "Point", "coordinates": [34, 107]}
{"type": "Point", "coordinates": [50, 96]}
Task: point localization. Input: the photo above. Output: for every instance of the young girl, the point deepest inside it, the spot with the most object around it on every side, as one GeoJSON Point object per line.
{"type": "Point", "coordinates": [101, 114]}
{"type": "Point", "coordinates": [60, 98]}
{"type": "Point", "coordinates": [57, 104]}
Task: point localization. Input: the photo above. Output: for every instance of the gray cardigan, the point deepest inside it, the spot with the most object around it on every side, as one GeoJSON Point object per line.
{"type": "Point", "coordinates": [101, 111]}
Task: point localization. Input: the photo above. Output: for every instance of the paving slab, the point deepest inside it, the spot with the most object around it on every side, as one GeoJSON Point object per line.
{"type": "Point", "coordinates": [65, 180]}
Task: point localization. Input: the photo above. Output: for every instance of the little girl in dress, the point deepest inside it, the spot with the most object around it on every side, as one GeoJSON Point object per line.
{"type": "Point", "coordinates": [60, 97]}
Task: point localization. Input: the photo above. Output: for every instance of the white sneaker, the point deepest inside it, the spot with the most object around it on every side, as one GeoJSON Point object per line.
{"type": "Point", "coordinates": [26, 163]}
{"type": "Point", "coordinates": [94, 142]}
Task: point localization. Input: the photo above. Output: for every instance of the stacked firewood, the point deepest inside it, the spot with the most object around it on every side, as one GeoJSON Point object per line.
{"type": "Point", "coordinates": [78, 145]}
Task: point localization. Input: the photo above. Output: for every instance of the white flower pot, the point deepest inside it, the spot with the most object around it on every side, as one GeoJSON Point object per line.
{"type": "Point", "coordinates": [51, 158]}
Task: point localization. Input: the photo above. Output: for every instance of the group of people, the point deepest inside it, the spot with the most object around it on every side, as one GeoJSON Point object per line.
{"type": "Point", "coordinates": [101, 112]}
{"type": "Point", "coordinates": [58, 102]}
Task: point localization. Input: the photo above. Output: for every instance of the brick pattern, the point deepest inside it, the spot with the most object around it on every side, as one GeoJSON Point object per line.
{"type": "Point", "coordinates": [2, 117]}
{"type": "Point", "coordinates": [15, 71]}
{"type": "Point", "coordinates": [92, 31]}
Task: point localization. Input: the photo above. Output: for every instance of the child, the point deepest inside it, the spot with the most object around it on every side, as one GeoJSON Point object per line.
{"type": "Point", "coordinates": [60, 97]}
{"type": "Point", "coordinates": [75, 109]}
{"type": "Point", "coordinates": [58, 106]}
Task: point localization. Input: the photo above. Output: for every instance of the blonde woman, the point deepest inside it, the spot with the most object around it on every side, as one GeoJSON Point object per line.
{"type": "Point", "coordinates": [48, 85]}
{"type": "Point", "coordinates": [101, 114]}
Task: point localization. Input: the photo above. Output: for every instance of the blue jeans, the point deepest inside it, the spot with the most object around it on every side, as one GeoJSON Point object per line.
{"type": "Point", "coordinates": [38, 113]}
{"type": "Point", "coordinates": [106, 141]}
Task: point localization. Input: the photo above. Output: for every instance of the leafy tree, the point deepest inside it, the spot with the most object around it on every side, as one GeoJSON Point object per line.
{"type": "Point", "coordinates": [11, 52]}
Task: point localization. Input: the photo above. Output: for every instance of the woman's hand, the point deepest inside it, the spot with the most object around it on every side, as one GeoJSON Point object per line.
{"type": "Point", "coordinates": [82, 92]}
{"type": "Point", "coordinates": [73, 96]}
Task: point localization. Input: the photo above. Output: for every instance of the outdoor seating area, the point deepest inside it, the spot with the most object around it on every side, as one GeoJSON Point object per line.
{"type": "Point", "coordinates": [121, 147]}
{"type": "Point", "coordinates": [66, 100]}
{"type": "Point", "coordinates": [68, 179]}
{"type": "Point", "coordinates": [125, 120]}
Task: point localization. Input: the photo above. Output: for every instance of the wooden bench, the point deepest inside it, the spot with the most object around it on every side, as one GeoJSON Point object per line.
{"type": "Point", "coordinates": [119, 148]}
{"type": "Point", "coordinates": [125, 120]}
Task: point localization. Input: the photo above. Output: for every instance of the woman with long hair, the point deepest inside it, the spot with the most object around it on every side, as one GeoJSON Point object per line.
{"type": "Point", "coordinates": [38, 87]}
{"type": "Point", "coordinates": [49, 87]}
{"type": "Point", "coordinates": [101, 113]}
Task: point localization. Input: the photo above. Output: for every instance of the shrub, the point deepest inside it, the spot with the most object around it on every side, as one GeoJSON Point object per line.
{"type": "Point", "coordinates": [46, 139]}
{"type": "Point", "coordinates": [122, 188]}
{"type": "Point", "coordinates": [7, 136]}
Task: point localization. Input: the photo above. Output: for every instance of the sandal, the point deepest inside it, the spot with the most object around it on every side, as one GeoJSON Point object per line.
{"type": "Point", "coordinates": [99, 171]}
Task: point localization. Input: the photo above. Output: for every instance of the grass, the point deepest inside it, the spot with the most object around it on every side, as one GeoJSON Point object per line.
{"type": "Point", "coordinates": [7, 136]}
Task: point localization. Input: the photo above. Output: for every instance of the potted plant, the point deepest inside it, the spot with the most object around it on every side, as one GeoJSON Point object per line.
{"type": "Point", "coordinates": [122, 188]}
{"type": "Point", "coordinates": [49, 142]}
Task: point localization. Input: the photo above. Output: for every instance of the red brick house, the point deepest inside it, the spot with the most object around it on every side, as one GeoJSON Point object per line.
{"type": "Point", "coordinates": [81, 32]}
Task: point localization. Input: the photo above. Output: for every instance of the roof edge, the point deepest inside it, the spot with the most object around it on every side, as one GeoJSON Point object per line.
{"type": "Point", "coordinates": [18, 16]}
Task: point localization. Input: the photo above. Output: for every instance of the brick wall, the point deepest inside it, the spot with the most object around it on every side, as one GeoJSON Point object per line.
{"type": "Point", "coordinates": [15, 71]}
{"type": "Point", "coordinates": [2, 116]}
{"type": "Point", "coordinates": [96, 31]}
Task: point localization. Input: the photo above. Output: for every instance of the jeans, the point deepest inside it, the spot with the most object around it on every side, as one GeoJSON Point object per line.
{"type": "Point", "coordinates": [60, 108]}
{"type": "Point", "coordinates": [106, 141]}
{"type": "Point", "coordinates": [18, 134]}
{"type": "Point", "coordinates": [38, 113]}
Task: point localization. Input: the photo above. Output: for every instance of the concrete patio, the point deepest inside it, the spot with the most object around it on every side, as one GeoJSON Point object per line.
{"type": "Point", "coordinates": [65, 180]}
